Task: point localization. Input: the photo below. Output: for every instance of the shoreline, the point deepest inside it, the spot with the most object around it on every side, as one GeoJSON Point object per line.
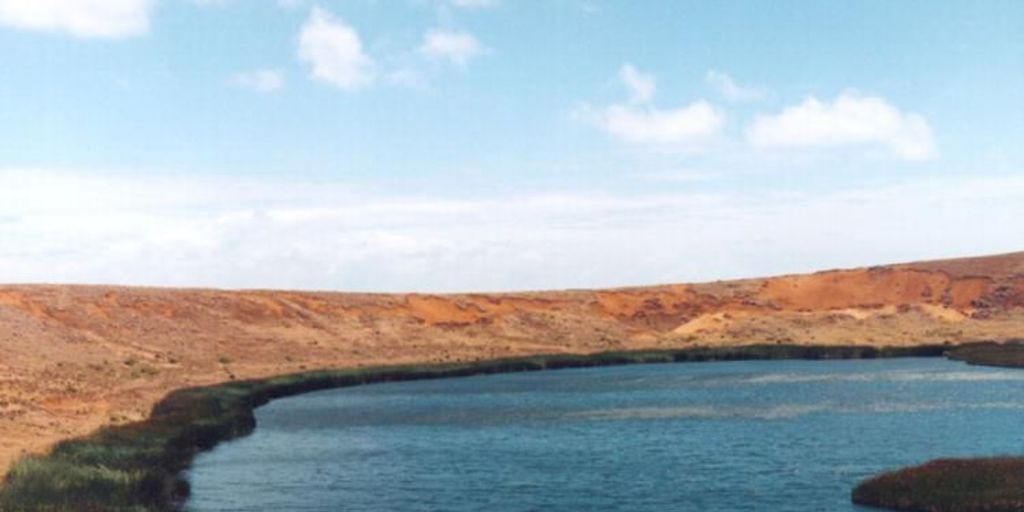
{"type": "Point", "coordinates": [79, 358]}
{"type": "Point", "coordinates": [139, 466]}
{"type": "Point", "coordinates": [983, 484]}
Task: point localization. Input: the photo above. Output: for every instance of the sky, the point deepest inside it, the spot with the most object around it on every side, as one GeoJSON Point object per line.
{"type": "Point", "coordinates": [461, 145]}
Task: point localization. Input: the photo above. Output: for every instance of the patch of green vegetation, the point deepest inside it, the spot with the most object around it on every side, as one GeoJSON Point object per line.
{"type": "Point", "coordinates": [1009, 354]}
{"type": "Point", "coordinates": [137, 466]}
{"type": "Point", "coordinates": [949, 485]}
{"type": "Point", "coordinates": [56, 484]}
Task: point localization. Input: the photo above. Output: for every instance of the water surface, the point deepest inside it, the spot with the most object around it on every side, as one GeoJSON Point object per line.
{"type": "Point", "coordinates": [757, 435]}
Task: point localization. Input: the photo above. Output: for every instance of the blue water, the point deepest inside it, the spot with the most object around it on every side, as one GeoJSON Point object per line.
{"type": "Point", "coordinates": [760, 435]}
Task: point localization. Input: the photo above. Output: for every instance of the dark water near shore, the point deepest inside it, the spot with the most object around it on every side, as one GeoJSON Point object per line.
{"type": "Point", "coordinates": [758, 435]}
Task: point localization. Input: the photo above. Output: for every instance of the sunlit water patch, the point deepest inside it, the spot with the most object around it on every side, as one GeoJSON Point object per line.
{"type": "Point", "coordinates": [760, 435]}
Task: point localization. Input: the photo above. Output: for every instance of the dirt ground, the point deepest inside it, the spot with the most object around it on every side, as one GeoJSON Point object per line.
{"type": "Point", "coordinates": [74, 358]}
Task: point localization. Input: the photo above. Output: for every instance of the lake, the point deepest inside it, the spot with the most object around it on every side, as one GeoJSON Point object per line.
{"type": "Point", "coordinates": [753, 435]}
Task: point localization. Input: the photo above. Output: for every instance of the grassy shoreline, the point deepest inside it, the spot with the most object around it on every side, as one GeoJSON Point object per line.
{"type": "Point", "coordinates": [1005, 355]}
{"type": "Point", "coordinates": [991, 484]}
{"type": "Point", "coordinates": [138, 466]}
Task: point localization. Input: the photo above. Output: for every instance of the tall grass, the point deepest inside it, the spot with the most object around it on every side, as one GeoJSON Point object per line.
{"type": "Point", "coordinates": [138, 466]}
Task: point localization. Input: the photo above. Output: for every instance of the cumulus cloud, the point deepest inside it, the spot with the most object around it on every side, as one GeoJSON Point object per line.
{"type": "Point", "coordinates": [851, 119]}
{"type": "Point", "coordinates": [732, 91]}
{"type": "Point", "coordinates": [108, 19]}
{"type": "Point", "coordinates": [334, 52]}
{"type": "Point", "coordinates": [639, 122]}
{"type": "Point", "coordinates": [293, 233]}
{"type": "Point", "coordinates": [456, 47]}
{"type": "Point", "coordinates": [259, 80]}
{"type": "Point", "coordinates": [685, 126]}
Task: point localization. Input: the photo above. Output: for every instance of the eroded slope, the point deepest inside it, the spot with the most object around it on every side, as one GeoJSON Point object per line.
{"type": "Point", "coordinates": [76, 357]}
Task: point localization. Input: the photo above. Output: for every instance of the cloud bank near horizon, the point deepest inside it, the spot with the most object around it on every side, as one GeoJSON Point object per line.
{"type": "Point", "coordinates": [65, 227]}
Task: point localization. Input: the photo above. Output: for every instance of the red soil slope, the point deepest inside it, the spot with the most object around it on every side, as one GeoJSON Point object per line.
{"type": "Point", "coordinates": [73, 358]}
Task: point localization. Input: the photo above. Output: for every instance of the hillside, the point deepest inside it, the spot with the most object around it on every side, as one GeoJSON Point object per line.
{"type": "Point", "coordinates": [73, 358]}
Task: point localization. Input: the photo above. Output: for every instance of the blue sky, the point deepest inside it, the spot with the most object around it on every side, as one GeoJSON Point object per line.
{"type": "Point", "coordinates": [501, 144]}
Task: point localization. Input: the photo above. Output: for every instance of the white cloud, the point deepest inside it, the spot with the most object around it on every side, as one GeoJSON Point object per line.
{"type": "Point", "coordinates": [223, 231]}
{"type": "Point", "coordinates": [732, 91]}
{"type": "Point", "coordinates": [687, 126]}
{"type": "Point", "coordinates": [638, 122]}
{"type": "Point", "coordinates": [455, 47]}
{"type": "Point", "coordinates": [641, 85]}
{"type": "Point", "coordinates": [260, 80]}
{"type": "Point", "coordinates": [108, 19]}
{"type": "Point", "coordinates": [334, 51]}
{"type": "Point", "coordinates": [850, 120]}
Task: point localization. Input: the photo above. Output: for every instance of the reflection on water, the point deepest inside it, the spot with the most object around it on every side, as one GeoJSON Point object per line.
{"type": "Point", "coordinates": [767, 435]}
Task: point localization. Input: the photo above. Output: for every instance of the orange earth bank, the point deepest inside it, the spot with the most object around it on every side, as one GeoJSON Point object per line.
{"type": "Point", "coordinates": [73, 358]}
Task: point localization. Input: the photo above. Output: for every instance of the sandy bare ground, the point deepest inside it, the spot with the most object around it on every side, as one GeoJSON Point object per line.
{"type": "Point", "coordinates": [73, 358]}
